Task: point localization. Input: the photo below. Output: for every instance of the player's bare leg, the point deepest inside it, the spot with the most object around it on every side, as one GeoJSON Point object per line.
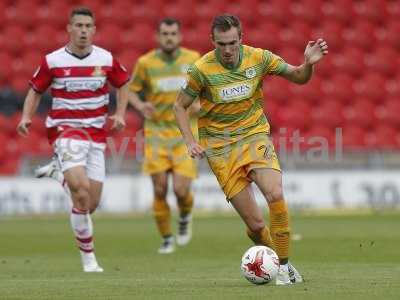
{"type": "Point", "coordinates": [269, 182]}
{"type": "Point", "coordinates": [185, 204]}
{"type": "Point", "coordinates": [245, 204]}
{"type": "Point", "coordinates": [162, 213]}
{"type": "Point", "coordinates": [96, 188]}
{"type": "Point", "coordinates": [81, 190]}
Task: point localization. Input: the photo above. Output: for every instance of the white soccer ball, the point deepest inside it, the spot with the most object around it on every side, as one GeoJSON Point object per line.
{"type": "Point", "coordinates": [260, 265]}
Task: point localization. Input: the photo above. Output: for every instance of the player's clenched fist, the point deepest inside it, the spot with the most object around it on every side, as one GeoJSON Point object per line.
{"type": "Point", "coordinates": [196, 151]}
{"type": "Point", "coordinates": [23, 126]}
{"type": "Point", "coordinates": [118, 122]}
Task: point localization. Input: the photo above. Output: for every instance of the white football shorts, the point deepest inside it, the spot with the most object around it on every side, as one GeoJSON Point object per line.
{"type": "Point", "coordinates": [72, 153]}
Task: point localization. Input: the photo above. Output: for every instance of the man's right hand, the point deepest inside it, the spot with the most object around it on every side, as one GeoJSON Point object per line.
{"type": "Point", "coordinates": [23, 126]}
{"type": "Point", "coordinates": [195, 150]}
{"type": "Point", "coordinates": [147, 109]}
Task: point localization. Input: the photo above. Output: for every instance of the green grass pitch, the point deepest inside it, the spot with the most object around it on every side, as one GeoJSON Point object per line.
{"type": "Point", "coordinates": [341, 257]}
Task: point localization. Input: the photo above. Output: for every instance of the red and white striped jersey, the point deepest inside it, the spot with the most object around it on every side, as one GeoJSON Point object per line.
{"type": "Point", "coordinates": [80, 91]}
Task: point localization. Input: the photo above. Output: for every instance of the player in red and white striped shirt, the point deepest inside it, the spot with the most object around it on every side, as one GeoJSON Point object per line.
{"type": "Point", "coordinates": [77, 75]}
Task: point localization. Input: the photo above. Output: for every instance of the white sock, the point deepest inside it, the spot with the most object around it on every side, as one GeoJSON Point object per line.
{"type": "Point", "coordinates": [284, 267]}
{"type": "Point", "coordinates": [82, 226]}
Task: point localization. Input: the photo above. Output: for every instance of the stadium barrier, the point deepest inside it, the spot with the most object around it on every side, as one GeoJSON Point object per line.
{"type": "Point", "coordinates": [304, 190]}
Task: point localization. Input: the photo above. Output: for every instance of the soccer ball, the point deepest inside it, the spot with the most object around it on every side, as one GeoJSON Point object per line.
{"type": "Point", "coordinates": [260, 265]}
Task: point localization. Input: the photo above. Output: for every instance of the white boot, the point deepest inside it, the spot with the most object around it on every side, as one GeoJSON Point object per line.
{"type": "Point", "coordinates": [168, 245]}
{"type": "Point", "coordinates": [89, 263]}
{"type": "Point", "coordinates": [184, 230]}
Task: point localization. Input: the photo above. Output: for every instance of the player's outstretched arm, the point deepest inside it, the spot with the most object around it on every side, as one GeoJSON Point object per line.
{"type": "Point", "coordinates": [181, 105]}
{"type": "Point", "coordinates": [30, 106]}
{"type": "Point", "coordinates": [313, 53]}
{"type": "Point", "coordinates": [122, 102]}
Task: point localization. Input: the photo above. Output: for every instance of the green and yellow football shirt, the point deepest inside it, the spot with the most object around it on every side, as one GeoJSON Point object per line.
{"type": "Point", "coordinates": [160, 80]}
{"type": "Point", "coordinates": [231, 99]}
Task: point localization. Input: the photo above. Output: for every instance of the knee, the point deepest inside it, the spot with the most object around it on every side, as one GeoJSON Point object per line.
{"type": "Point", "coordinates": [276, 193]}
{"type": "Point", "coordinates": [160, 191]}
{"type": "Point", "coordinates": [81, 192]}
{"type": "Point", "coordinates": [256, 225]}
{"type": "Point", "coordinates": [180, 191]}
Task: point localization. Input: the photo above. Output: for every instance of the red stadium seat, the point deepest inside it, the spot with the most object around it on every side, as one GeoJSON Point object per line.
{"type": "Point", "coordinates": [248, 17]}
{"type": "Point", "coordinates": [351, 61]}
{"type": "Point", "coordinates": [387, 35]}
{"type": "Point", "coordinates": [329, 114]}
{"type": "Point", "coordinates": [20, 82]}
{"type": "Point", "coordinates": [388, 112]}
{"type": "Point", "coordinates": [15, 37]}
{"type": "Point", "coordinates": [361, 113]}
{"type": "Point", "coordinates": [3, 138]}
{"type": "Point", "coordinates": [6, 66]}
{"type": "Point", "coordinates": [339, 87]}
{"type": "Point", "coordinates": [383, 137]}
{"type": "Point", "coordinates": [181, 10]}
{"type": "Point", "coordinates": [286, 138]}
{"type": "Point", "coordinates": [392, 87]}
{"type": "Point", "coordinates": [50, 14]}
{"type": "Point", "coordinates": [22, 13]}
{"type": "Point", "coordinates": [340, 10]}
{"type": "Point", "coordinates": [371, 86]}
{"type": "Point", "coordinates": [275, 11]}
{"type": "Point", "coordinates": [199, 38]}
{"type": "Point", "coordinates": [128, 58]}
{"type": "Point", "coordinates": [310, 92]}
{"type": "Point", "coordinates": [27, 64]}
{"type": "Point", "coordinates": [265, 35]}
{"type": "Point", "coordinates": [10, 166]}
{"type": "Point", "coordinates": [371, 10]}
{"type": "Point", "coordinates": [297, 35]}
{"type": "Point", "coordinates": [118, 13]}
{"type": "Point", "coordinates": [307, 11]}
{"type": "Point", "coordinates": [292, 55]}
{"type": "Point", "coordinates": [110, 37]}
{"type": "Point", "coordinates": [325, 68]}
{"type": "Point", "coordinates": [206, 10]}
{"type": "Point", "coordinates": [144, 34]}
{"type": "Point", "coordinates": [296, 115]}
{"type": "Point", "coordinates": [277, 90]}
{"type": "Point", "coordinates": [360, 34]}
{"type": "Point", "coordinates": [3, 8]}
{"type": "Point", "coordinates": [332, 32]}
{"type": "Point", "coordinates": [147, 12]}
{"type": "Point", "coordinates": [383, 60]}
{"type": "Point", "coordinates": [393, 8]}
{"type": "Point", "coordinates": [29, 145]}
{"type": "Point", "coordinates": [38, 126]}
{"type": "Point", "coordinates": [353, 137]}
{"type": "Point", "coordinates": [133, 120]}
{"type": "Point", "coordinates": [319, 137]}
{"type": "Point", "coordinates": [42, 42]}
{"type": "Point", "coordinates": [6, 126]}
